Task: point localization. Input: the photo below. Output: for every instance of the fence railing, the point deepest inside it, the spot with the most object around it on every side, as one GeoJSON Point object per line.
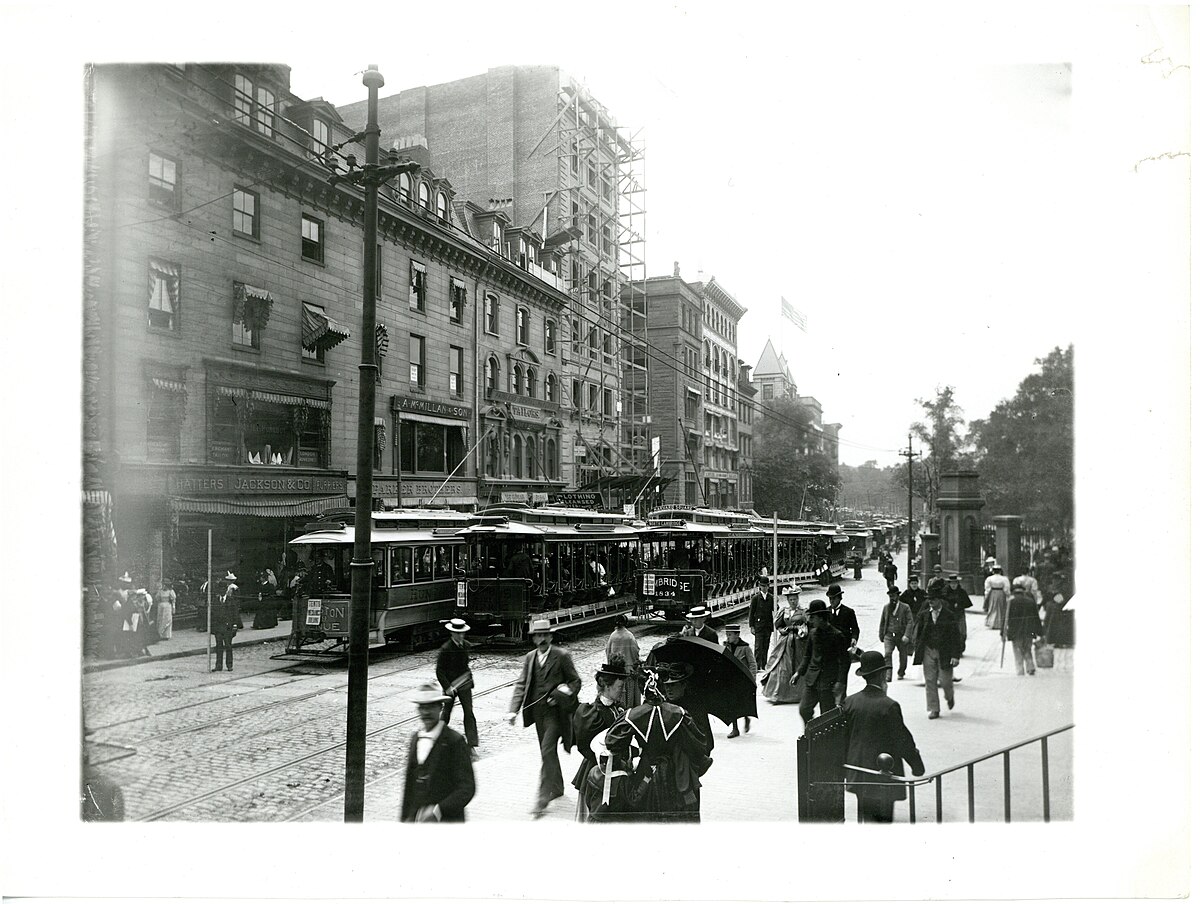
{"type": "Point", "coordinates": [873, 779]}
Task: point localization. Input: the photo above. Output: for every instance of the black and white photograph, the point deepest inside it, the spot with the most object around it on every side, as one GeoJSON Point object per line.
{"type": "Point", "coordinates": [537, 417]}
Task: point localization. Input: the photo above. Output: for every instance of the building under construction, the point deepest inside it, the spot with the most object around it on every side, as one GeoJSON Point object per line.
{"type": "Point", "coordinates": [548, 155]}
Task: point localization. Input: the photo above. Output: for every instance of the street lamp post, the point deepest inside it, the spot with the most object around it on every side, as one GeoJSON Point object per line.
{"type": "Point", "coordinates": [370, 176]}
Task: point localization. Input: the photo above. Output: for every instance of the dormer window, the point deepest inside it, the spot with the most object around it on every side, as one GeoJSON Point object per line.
{"type": "Point", "coordinates": [423, 195]}
{"type": "Point", "coordinates": [443, 206]}
{"type": "Point", "coordinates": [405, 187]}
{"type": "Point", "coordinates": [497, 237]}
{"type": "Point", "coordinates": [320, 137]}
{"type": "Point", "coordinates": [243, 99]}
{"type": "Point", "coordinates": [265, 121]}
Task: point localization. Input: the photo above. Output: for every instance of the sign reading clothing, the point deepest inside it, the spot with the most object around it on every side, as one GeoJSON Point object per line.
{"type": "Point", "coordinates": [219, 483]}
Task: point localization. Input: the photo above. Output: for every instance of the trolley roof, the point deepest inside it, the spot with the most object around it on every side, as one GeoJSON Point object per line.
{"type": "Point", "coordinates": [345, 536]}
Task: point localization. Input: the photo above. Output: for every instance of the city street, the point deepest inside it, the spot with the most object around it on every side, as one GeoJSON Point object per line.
{"type": "Point", "coordinates": [264, 742]}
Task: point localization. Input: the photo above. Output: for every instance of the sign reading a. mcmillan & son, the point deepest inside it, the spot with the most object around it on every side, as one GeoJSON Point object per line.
{"type": "Point", "coordinates": [205, 483]}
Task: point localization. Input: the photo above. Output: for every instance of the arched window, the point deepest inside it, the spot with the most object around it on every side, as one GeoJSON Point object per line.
{"type": "Point", "coordinates": [491, 461]}
{"type": "Point", "coordinates": [551, 459]}
{"type": "Point", "coordinates": [523, 325]}
{"type": "Point", "coordinates": [531, 468]}
{"type": "Point", "coordinates": [551, 388]}
{"type": "Point", "coordinates": [443, 206]}
{"type": "Point", "coordinates": [493, 374]}
{"type": "Point", "coordinates": [405, 187]}
{"type": "Point", "coordinates": [531, 382]}
{"type": "Point", "coordinates": [551, 337]}
{"type": "Point", "coordinates": [518, 456]}
{"type": "Point", "coordinates": [518, 379]}
{"type": "Point", "coordinates": [707, 355]}
{"type": "Point", "coordinates": [423, 195]}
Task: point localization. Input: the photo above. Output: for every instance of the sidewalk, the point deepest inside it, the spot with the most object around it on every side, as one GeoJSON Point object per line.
{"type": "Point", "coordinates": [753, 777]}
{"type": "Point", "coordinates": [187, 641]}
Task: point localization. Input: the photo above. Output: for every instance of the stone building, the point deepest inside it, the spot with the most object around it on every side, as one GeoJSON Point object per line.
{"type": "Point", "coordinates": [534, 142]}
{"type": "Point", "coordinates": [223, 334]}
{"type": "Point", "coordinates": [721, 315]}
{"type": "Point", "coordinates": [745, 425]}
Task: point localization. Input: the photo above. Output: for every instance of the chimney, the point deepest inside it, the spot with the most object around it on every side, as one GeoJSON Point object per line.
{"type": "Point", "coordinates": [677, 269]}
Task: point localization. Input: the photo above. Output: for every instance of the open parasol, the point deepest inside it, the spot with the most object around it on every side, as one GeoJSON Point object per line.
{"type": "Point", "coordinates": [719, 683]}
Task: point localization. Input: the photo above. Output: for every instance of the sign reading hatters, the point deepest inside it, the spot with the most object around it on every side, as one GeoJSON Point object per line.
{"type": "Point", "coordinates": [223, 483]}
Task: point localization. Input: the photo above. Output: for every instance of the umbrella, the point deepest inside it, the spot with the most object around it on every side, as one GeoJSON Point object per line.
{"type": "Point", "coordinates": [720, 684]}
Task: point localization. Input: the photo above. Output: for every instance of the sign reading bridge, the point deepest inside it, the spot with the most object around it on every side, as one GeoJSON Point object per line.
{"type": "Point", "coordinates": [679, 589]}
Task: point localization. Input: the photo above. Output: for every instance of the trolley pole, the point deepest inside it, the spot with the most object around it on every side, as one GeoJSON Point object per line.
{"type": "Point", "coordinates": [911, 542]}
{"type": "Point", "coordinates": [360, 566]}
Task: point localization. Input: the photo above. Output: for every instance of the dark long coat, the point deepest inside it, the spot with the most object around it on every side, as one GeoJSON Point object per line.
{"type": "Point", "coordinates": [560, 669]}
{"type": "Point", "coordinates": [450, 778]}
{"type": "Point", "coordinates": [875, 725]}
{"type": "Point", "coordinates": [943, 636]}
{"type": "Point", "coordinates": [591, 719]}
{"type": "Point", "coordinates": [821, 653]}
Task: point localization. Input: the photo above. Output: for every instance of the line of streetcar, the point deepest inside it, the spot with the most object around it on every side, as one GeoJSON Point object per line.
{"type": "Point", "coordinates": [504, 566]}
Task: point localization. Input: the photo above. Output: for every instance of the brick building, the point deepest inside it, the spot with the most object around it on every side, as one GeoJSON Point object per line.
{"type": "Point", "coordinates": [721, 315]}
{"type": "Point", "coordinates": [745, 425]}
{"type": "Point", "coordinates": [222, 306]}
{"type": "Point", "coordinates": [534, 142]}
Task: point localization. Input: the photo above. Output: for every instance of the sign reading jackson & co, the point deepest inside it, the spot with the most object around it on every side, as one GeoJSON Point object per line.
{"type": "Point", "coordinates": [261, 480]}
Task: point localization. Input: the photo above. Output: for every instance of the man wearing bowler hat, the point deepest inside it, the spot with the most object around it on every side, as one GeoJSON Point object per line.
{"type": "Point", "coordinates": [697, 624]}
{"type": "Point", "coordinates": [454, 675]}
{"type": "Point", "coordinates": [875, 725]}
{"type": "Point", "coordinates": [439, 780]}
{"type": "Point", "coordinates": [545, 696]}
{"type": "Point", "coordinates": [739, 650]}
{"type": "Point", "coordinates": [843, 618]}
{"type": "Point", "coordinates": [820, 661]}
{"type": "Point", "coordinates": [762, 617]}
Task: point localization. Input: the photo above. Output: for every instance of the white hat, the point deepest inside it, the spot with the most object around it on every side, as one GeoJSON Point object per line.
{"type": "Point", "coordinates": [230, 576]}
{"type": "Point", "coordinates": [458, 626]}
{"type": "Point", "coordinates": [125, 578]}
{"type": "Point", "coordinates": [698, 612]}
{"type": "Point", "coordinates": [429, 692]}
{"type": "Point", "coordinates": [541, 626]}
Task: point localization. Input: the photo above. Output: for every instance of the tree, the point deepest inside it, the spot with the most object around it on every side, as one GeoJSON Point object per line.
{"type": "Point", "coordinates": [791, 471]}
{"type": "Point", "coordinates": [1026, 447]}
{"type": "Point", "coordinates": [942, 433]}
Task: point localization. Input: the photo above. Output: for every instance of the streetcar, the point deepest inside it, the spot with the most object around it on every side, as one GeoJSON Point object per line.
{"type": "Point", "coordinates": [861, 541]}
{"type": "Point", "coordinates": [418, 558]}
{"type": "Point", "coordinates": [573, 567]}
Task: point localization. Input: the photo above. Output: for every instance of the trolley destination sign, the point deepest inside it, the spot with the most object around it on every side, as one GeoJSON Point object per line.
{"type": "Point", "coordinates": [674, 587]}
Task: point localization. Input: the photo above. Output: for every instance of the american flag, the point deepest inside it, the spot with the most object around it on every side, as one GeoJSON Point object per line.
{"type": "Point", "coordinates": [793, 315]}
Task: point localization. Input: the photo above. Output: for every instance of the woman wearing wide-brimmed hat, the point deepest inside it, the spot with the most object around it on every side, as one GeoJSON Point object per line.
{"type": "Point", "coordinates": [791, 623]}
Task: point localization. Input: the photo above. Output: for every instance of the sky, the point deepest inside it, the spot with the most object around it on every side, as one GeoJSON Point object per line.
{"type": "Point", "coordinates": [913, 199]}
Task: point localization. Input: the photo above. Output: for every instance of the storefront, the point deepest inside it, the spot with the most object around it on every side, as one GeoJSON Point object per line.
{"type": "Point", "coordinates": [431, 445]}
{"type": "Point", "coordinates": [522, 450]}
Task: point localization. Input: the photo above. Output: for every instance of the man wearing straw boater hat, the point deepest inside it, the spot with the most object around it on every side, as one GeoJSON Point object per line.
{"type": "Point", "coordinates": [594, 719]}
{"type": "Point", "coordinates": [225, 620]}
{"type": "Point", "coordinates": [454, 675]}
{"type": "Point", "coordinates": [439, 780]}
{"type": "Point", "coordinates": [546, 695]}
{"type": "Point", "coordinates": [697, 624]}
{"type": "Point", "coordinates": [875, 725]}
{"type": "Point", "coordinates": [762, 617]}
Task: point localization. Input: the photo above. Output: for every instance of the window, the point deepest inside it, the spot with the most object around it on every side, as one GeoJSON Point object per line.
{"type": "Point", "coordinates": [164, 181]}
{"type": "Point", "coordinates": [576, 337]}
{"type": "Point", "coordinates": [430, 448]}
{"type": "Point", "coordinates": [164, 295]}
{"type": "Point", "coordinates": [491, 320]}
{"type": "Point", "coordinates": [593, 396]}
{"type": "Point", "coordinates": [592, 227]}
{"type": "Point", "coordinates": [531, 463]}
{"type": "Point", "coordinates": [458, 299]}
{"type": "Point", "coordinates": [551, 388]}
{"type": "Point", "coordinates": [497, 236]}
{"type": "Point", "coordinates": [320, 136]}
{"type": "Point", "coordinates": [443, 206]}
{"type": "Point", "coordinates": [531, 382]}
{"type": "Point", "coordinates": [608, 348]}
{"type": "Point", "coordinates": [691, 406]}
{"type": "Point", "coordinates": [577, 394]}
{"type": "Point", "coordinates": [593, 341]}
{"type": "Point", "coordinates": [243, 335]}
{"type": "Point", "coordinates": [574, 156]}
{"type": "Point", "coordinates": [312, 314]}
{"type": "Point", "coordinates": [243, 99]}
{"type": "Point", "coordinates": [298, 435]}
{"type": "Point", "coordinates": [516, 379]}
{"type": "Point", "coordinates": [416, 286]}
{"type": "Point", "coordinates": [518, 456]}
{"type": "Point", "coordinates": [456, 371]}
{"type": "Point", "coordinates": [163, 419]}
{"type": "Point", "coordinates": [245, 213]}
{"type": "Point", "coordinates": [312, 239]}
{"type": "Point", "coordinates": [591, 174]}
{"type": "Point", "coordinates": [551, 460]}
{"type": "Point", "coordinates": [416, 360]}
{"type": "Point", "coordinates": [265, 121]}
{"type": "Point", "coordinates": [768, 392]}
{"type": "Point", "coordinates": [405, 187]}
{"type": "Point", "coordinates": [606, 242]}
{"type": "Point", "coordinates": [551, 337]}
{"type": "Point", "coordinates": [608, 403]}
{"type": "Point", "coordinates": [523, 326]}
{"type": "Point", "coordinates": [493, 374]}
{"type": "Point", "coordinates": [423, 194]}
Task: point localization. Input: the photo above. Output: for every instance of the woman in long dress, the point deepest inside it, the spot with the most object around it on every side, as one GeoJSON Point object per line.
{"type": "Point", "coordinates": [266, 615]}
{"type": "Point", "coordinates": [165, 607]}
{"type": "Point", "coordinates": [622, 644]}
{"type": "Point", "coordinates": [996, 591]}
{"type": "Point", "coordinates": [791, 625]}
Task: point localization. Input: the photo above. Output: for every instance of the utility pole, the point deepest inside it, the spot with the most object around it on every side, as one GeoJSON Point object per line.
{"type": "Point", "coordinates": [911, 545]}
{"type": "Point", "coordinates": [370, 176]}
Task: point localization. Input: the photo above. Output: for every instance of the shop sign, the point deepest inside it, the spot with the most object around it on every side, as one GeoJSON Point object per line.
{"type": "Point", "coordinates": [510, 496]}
{"type": "Point", "coordinates": [525, 413]}
{"type": "Point", "coordinates": [224, 483]}
{"type": "Point", "coordinates": [424, 489]}
{"type": "Point", "coordinates": [540, 497]}
{"type": "Point", "coordinates": [577, 500]}
{"type": "Point", "coordinates": [424, 406]}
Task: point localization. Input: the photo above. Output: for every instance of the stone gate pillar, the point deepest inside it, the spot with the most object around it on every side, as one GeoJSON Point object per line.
{"type": "Point", "coordinates": [929, 556]}
{"type": "Point", "coordinates": [958, 506]}
{"type": "Point", "coordinates": [1008, 544]}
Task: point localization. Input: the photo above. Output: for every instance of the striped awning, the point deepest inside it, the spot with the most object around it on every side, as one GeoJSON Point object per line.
{"type": "Point", "coordinates": [380, 422]}
{"type": "Point", "coordinates": [96, 497]}
{"type": "Point", "coordinates": [259, 506]}
{"type": "Point", "coordinates": [166, 385]}
{"type": "Point", "coordinates": [320, 332]}
{"type": "Point", "coordinates": [283, 398]}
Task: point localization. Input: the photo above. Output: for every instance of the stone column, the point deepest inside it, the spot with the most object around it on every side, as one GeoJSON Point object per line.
{"type": "Point", "coordinates": [958, 511]}
{"type": "Point", "coordinates": [1008, 544]}
{"type": "Point", "coordinates": [930, 556]}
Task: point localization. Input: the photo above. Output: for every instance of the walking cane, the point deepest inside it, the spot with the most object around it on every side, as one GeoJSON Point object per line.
{"type": "Point", "coordinates": [1004, 632]}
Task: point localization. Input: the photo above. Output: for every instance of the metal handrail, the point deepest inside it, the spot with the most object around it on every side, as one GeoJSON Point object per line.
{"type": "Point", "coordinates": [911, 783]}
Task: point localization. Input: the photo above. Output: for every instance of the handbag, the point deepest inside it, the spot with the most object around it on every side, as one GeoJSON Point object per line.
{"type": "Point", "coordinates": [1043, 655]}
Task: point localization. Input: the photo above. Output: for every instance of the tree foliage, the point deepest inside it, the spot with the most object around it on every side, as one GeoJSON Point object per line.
{"type": "Point", "coordinates": [791, 473]}
{"type": "Point", "coordinates": [944, 437]}
{"type": "Point", "coordinates": [1026, 447]}
{"type": "Point", "coordinates": [869, 488]}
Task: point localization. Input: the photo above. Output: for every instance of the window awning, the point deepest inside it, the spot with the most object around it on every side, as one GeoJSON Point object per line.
{"type": "Point", "coordinates": [320, 332]}
{"type": "Point", "coordinates": [273, 398]}
{"type": "Point", "coordinates": [251, 306]}
{"type": "Point", "coordinates": [259, 506]}
{"type": "Point", "coordinates": [168, 385]}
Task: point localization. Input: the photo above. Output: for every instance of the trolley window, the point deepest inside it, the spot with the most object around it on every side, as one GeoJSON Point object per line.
{"type": "Point", "coordinates": [423, 564]}
{"type": "Point", "coordinates": [402, 565]}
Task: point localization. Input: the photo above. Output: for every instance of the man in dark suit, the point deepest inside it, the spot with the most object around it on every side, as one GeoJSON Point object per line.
{"type": "Point", "coordinates": [936, 648]}
{"type": "Point", "coordinates": [592, 719]}
{"type": "Point", "coordinates": [439, 780]}
{"type": "Point", "coordinates": [844, 619]}
{"type": "Point", "coordinates": [225, 618]}
{"type": "Point", "coordinates": [762, 617]}
{"type": "Point", "coordinates": [820, 662]}
{"type": "Point", "coordinates": [697, 624]}
{"type": "Point", "coordinates": [454, 675]}
{"type": "Point", "coordinates": [875, 725]}
{"type": "Point", "coordinates": [546, 695]}
{"type": "Point", "coordinates": [1022, 626]}
{"type": "Point", "coordinates": [914, 596]}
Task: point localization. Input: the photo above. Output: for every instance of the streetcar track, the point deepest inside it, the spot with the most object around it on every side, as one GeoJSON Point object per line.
{"type": "Point", "coordinates": [207, 795]}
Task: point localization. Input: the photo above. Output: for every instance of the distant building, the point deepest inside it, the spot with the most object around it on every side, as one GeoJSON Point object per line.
{"type": "Point", "coordinates": [722, 312]}
{"type": "Point", "coordinates": [772, 376]}
{"type": "Point", "coordinates": [745, 425]}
